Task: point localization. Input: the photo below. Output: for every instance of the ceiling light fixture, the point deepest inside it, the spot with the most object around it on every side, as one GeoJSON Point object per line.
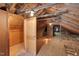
{"type": "Point", "coordinates": [31, 13]}
{"type": "Point", "coordinates": [50, 24]}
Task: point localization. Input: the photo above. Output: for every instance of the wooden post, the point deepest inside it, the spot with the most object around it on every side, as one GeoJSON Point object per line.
{"type": "Point", "coordinates": [30, 35]}
{"type": "Point", "coordinates": [50, 30]}
{"type": "Point", "coordinates": [4, 38]}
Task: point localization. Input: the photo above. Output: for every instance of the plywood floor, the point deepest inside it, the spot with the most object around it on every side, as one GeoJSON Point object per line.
{"type": "Point", "coordinates": [52, 47]}
{"type": "Point", "coordinates": [16, 49]}
{"type": "Point", "coordinates": [55, 47]}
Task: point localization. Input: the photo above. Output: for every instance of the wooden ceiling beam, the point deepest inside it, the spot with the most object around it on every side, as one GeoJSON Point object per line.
{"type": "Point", "coordinates": [57, 13]}
{"type": "Point", "coordinates": [12, 8]}
{"type": "Point", "coordinates": [43, 7]}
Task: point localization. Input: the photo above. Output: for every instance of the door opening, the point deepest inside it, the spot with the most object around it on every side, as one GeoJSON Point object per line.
{"type": "Point", "coordinates": [56, 30]}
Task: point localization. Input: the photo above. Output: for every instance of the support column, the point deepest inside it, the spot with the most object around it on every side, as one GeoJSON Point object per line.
{"type": "Point", "coordinates": [50, 30]}
{"type": "Point", "coordinates": [30, 35]}
{"type": "Point", "coordinates": [4, 37]}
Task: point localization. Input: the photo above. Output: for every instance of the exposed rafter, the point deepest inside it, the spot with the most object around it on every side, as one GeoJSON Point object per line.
{"type": "Point", "coordinates": [12, 8]}
{"type": "Point", "coordinates": [57, 13]}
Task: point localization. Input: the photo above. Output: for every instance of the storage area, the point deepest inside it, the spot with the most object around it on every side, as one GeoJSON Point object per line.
{"type": "Point", "coordinates": [39, 29]}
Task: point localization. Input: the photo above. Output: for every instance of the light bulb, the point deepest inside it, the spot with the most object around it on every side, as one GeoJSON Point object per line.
{"type": "Point", "coordinates": [31, 13]}
{"type": "Point", "coordinates": [50, 24]}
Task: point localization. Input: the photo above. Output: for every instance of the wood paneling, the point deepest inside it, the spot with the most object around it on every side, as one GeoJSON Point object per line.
{"type": "Point", "coordinates": [16, 37]}
{"type": "Point", "coordinates": [15, 23]}
{"type": "Point", "coordinates": [11, 31]}
{"type": "Point", "coordinates": [4, 47]}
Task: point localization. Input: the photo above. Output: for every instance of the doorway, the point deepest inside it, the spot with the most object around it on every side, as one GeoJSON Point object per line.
{"type": "Point", "coordinates": [56, 30]}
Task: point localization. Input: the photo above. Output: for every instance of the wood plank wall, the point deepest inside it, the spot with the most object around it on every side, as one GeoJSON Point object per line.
{"type": "Point", "coordinates": [15, 23]}
{"type": "Point", "coordinates": [4, 38]}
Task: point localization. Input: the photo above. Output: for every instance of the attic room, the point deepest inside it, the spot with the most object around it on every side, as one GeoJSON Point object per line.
{"type": "Point", "coordinates": [39, 29]}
